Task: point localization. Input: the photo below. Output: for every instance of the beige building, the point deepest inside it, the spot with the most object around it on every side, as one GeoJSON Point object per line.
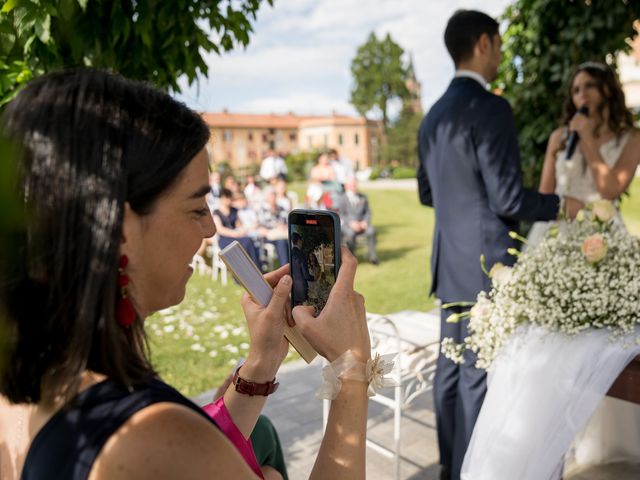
{"type": "Point", "coordinates": [629, 68]}
{"type": "Point", "coordinates": [243, 139]}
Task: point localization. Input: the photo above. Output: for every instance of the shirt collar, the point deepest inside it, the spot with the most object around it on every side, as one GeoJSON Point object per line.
{"type": "Point", "coordinates": [471, 74]}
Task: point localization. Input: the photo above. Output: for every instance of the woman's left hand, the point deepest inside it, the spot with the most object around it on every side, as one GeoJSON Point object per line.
{"type": "Point", "coordinates": [266, 328]}
{"type": "Point", "coordinates": [583, 125]}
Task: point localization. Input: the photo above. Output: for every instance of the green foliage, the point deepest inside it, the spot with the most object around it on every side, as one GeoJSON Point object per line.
{"type": "Point", "coordinates": [402, 142]}
{"type": "Point", "coordinates": [300, 164]}
{"type": "Point", "coordinates": [403, 172]}
{"type": "Point", "coordinates": [544, 41]}
{"type": "Point", "coordinates": [152, 40]}
{"type": "Point", "coordinates": [12, 230]}
{"type": "Point", "coordinates": [379, 76]}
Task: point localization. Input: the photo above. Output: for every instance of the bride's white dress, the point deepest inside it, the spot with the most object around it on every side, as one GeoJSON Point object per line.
{"type": "Point", "coordinates": [545, 387]}
{"type": "Point", "coordinates": [574, 179]}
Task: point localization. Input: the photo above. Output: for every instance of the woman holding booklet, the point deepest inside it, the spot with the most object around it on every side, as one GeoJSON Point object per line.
{"type": "Point", "coordinates": [114, 177]}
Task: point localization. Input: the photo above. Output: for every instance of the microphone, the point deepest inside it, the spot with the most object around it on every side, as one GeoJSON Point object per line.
{"type": "Point", "coordinates": [572, 142]}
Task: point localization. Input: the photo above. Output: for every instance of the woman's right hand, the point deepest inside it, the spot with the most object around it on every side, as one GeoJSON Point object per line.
{"type": "Point", "coordinates": [342, 324]}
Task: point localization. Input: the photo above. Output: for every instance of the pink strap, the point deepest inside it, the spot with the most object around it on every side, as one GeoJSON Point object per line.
{"type": "Point", "coordinates": [219, 413]}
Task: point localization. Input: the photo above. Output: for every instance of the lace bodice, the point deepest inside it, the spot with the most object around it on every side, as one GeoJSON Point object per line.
{"type": "Point", "coordinates": [573, 177]}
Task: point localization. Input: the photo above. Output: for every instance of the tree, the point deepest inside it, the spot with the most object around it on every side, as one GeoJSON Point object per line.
{"type": "Point", "coordinates": [402, 142]}
{"type": "Point", "coordinates": [544, 41]}
{"type": "Point", "coordinates": [379, 76]}
{"type": "Point", "coordinates": [152, 40]}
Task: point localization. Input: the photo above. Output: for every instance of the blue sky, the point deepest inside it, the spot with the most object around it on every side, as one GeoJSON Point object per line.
{"type": "Point", "coordinates": [301, 50]}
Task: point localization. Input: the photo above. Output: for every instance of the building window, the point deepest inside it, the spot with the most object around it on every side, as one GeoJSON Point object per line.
{"type": "Point", "coordinates": [310, 142]}
{"type": "Point", "coordinates": [227, 136]}
{"type": "Point", "coordinates": [250, 136]}
{"type": "Point", "coordinates": [292, 137]}
{"type": "Point", "coordinates": [356, 139]}
{"type": "Point", "coordinates": [340, 140]}
{"type": "Point", "coordinates": [265, 138]}
{"type": "Point", "coordinates": [326, 141]}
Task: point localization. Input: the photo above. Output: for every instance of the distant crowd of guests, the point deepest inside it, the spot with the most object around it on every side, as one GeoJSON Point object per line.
{"type": "Point", "coordinates": [255, 213]}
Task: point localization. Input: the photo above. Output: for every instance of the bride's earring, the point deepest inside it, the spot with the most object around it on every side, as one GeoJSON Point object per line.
{"type": "Point", "coordinates": [125, 312]}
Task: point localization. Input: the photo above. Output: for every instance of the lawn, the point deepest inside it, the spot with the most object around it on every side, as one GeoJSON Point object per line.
{"type": "Point", "coordinates": [195, 345]}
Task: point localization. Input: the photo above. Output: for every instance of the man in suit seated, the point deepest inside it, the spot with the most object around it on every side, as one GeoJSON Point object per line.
{"type": "Point", "coordinates": [356, 219]}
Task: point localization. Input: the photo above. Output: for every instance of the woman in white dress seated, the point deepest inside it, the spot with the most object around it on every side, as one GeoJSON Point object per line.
{"type": "Point", "coordinates": [601, 167]}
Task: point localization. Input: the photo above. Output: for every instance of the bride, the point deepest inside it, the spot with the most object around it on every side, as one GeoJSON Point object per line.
{"type": "Point", "coordinates": [601, 167]}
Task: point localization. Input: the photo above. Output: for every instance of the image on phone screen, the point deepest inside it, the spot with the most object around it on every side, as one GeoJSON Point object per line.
{"type": "Point", "coordinates": [313, 262]}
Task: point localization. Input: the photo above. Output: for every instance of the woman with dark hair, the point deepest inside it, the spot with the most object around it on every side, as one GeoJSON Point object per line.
{"type": "Point", "coordinates": [114, 178]}
{"type": "Point", "coordinates": [601, 167]}
{"type": "Point", "coordinates": [608, 151]}
{"type": "Point", "coordinates": [230, 228]}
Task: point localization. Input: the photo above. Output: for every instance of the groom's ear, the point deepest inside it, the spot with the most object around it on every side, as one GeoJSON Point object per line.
{"type": "Point", "coordinates": [483, 45]}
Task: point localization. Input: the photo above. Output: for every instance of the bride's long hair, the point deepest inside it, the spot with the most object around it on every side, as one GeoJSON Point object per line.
{"type": "Point", "coordinates": [620, 117]}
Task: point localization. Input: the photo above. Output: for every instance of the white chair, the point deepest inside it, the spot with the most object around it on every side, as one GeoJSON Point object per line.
{"type": "Point", "coordinates": [217, 265]}
{"type": "Point", "coordinates": [413, 371]}
{"type": "Point", "coordinates": [200, 265]}
{"type": "Point", "coordinates": [268, 255]}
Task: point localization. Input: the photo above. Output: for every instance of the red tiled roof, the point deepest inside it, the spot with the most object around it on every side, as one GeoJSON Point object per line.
{"type": "Point", "coordinates": [252, 120]}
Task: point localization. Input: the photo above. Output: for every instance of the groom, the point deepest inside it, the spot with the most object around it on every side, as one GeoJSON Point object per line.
{"type": "Point", "coordinates": [470, 173]}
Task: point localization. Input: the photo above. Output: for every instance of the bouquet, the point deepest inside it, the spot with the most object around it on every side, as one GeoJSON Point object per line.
{"type": "Point", "coordinates": [584, 274]}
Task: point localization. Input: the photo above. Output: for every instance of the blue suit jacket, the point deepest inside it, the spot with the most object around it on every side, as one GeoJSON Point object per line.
{"type": "Point", "coordinates": [470, 173]}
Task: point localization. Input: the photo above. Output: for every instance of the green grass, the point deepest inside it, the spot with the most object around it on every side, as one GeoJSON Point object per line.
{"type": "Point", "coordinates": [195, 345]}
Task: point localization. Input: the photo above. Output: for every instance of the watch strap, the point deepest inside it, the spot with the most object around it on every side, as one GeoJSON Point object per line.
{"type": "Point", "coordinates": [253, 388]}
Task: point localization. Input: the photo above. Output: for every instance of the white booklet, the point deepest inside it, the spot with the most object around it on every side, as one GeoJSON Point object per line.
{"type": "Point", "coordinates": [238, 261]}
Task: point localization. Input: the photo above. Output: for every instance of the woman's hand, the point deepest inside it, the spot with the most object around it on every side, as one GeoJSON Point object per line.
{"type": "Point", "coordinates": [266, 329]}
{"type": "Point", "coordinates": [342, 324]}
{"type": "Point", "coordinates": [583, 125]}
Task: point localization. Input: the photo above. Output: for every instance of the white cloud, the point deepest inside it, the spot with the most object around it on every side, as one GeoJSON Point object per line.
{"type": "Point", "coordinates": [300, 53]}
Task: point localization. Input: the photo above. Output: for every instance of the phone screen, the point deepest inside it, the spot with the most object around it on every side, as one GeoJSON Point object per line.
{"type": "Point", "coordinates": [314, 240]}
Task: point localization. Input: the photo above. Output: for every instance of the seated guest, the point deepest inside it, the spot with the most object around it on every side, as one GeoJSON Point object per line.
{"type": "Point", "coordinates": [248, 216]}
{"type": "Point", "coordinates": [355, 216]}
{"type": "Point", "coordinates": [114, 175]}
{"type": "Point", "coordinates": [323, 171]}
{"type": "Point", "coordinates": [272, 222]}
{"type": "Point", "coordinates": [342, 166]}
{"type": "Point", "coordinates": [283, 197]}
{"type": "Point", "coordinates": [253, 192]}
{"type": "Point", "coordinates": [229, 226]}
{"type": "Point", "coordinates": [213, 197]}
{"type": "Point", "coordinates": [232, 184]}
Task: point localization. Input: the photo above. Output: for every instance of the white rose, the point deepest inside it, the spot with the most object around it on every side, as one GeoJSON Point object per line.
{"type": "Point", "coordinates": [603, 210]}
{"type": "Point", "coordinates": [500, 274]}
{"type": "Point", "coordinates": [482, 309]}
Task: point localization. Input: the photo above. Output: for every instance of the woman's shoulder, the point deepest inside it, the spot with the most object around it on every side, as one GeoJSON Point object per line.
{"type": "Point", "coordinates": [634, 134]}
{"type": "Point", "coordinates": [558, 135]}
{"type": "Point", "coordinates": [168, 440]}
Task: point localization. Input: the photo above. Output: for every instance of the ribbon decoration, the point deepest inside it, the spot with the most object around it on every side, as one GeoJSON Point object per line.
{"type": "Point", "coordinates": [346, 367]}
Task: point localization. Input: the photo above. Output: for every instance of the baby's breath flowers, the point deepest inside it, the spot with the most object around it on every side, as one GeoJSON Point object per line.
{"type": "Point", "coordinates": [586, 276]}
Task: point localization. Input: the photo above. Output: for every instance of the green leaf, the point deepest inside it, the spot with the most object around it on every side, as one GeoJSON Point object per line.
{"type": "Point", "coordinates": [9, 5]}
{"type": "Point", "coordinates": [43, 28]}
{"type": "Point", "coordinates": [83, 4]}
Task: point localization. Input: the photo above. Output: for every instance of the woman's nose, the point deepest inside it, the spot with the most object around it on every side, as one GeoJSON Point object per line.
{"type": "Point", "coordinates": [210, 227]}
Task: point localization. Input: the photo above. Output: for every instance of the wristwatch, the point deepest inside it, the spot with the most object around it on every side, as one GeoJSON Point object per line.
{"type": "Point", "coordinates": [252, 388]}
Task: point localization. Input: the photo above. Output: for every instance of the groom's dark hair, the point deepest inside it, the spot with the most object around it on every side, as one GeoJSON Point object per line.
{"type": "Point", "coordinates": [464, 29]}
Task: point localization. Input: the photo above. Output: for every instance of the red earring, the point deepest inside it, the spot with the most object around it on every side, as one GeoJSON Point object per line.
{"type": "Point", "coordinates": [125, 312]}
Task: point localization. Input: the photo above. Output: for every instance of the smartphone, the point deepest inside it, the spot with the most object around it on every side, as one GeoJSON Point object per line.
{"type": "Point", "coordinates": [314, 253]}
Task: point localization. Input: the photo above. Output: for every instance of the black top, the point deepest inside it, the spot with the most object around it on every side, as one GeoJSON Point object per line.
{"type": "Point", "coordinates": [68, 444]}
{"type": "Point", "coordinates": [228, 221]}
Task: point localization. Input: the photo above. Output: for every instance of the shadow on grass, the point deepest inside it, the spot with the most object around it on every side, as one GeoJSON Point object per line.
{"type": "Point", "coordinates": [384, 254]}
